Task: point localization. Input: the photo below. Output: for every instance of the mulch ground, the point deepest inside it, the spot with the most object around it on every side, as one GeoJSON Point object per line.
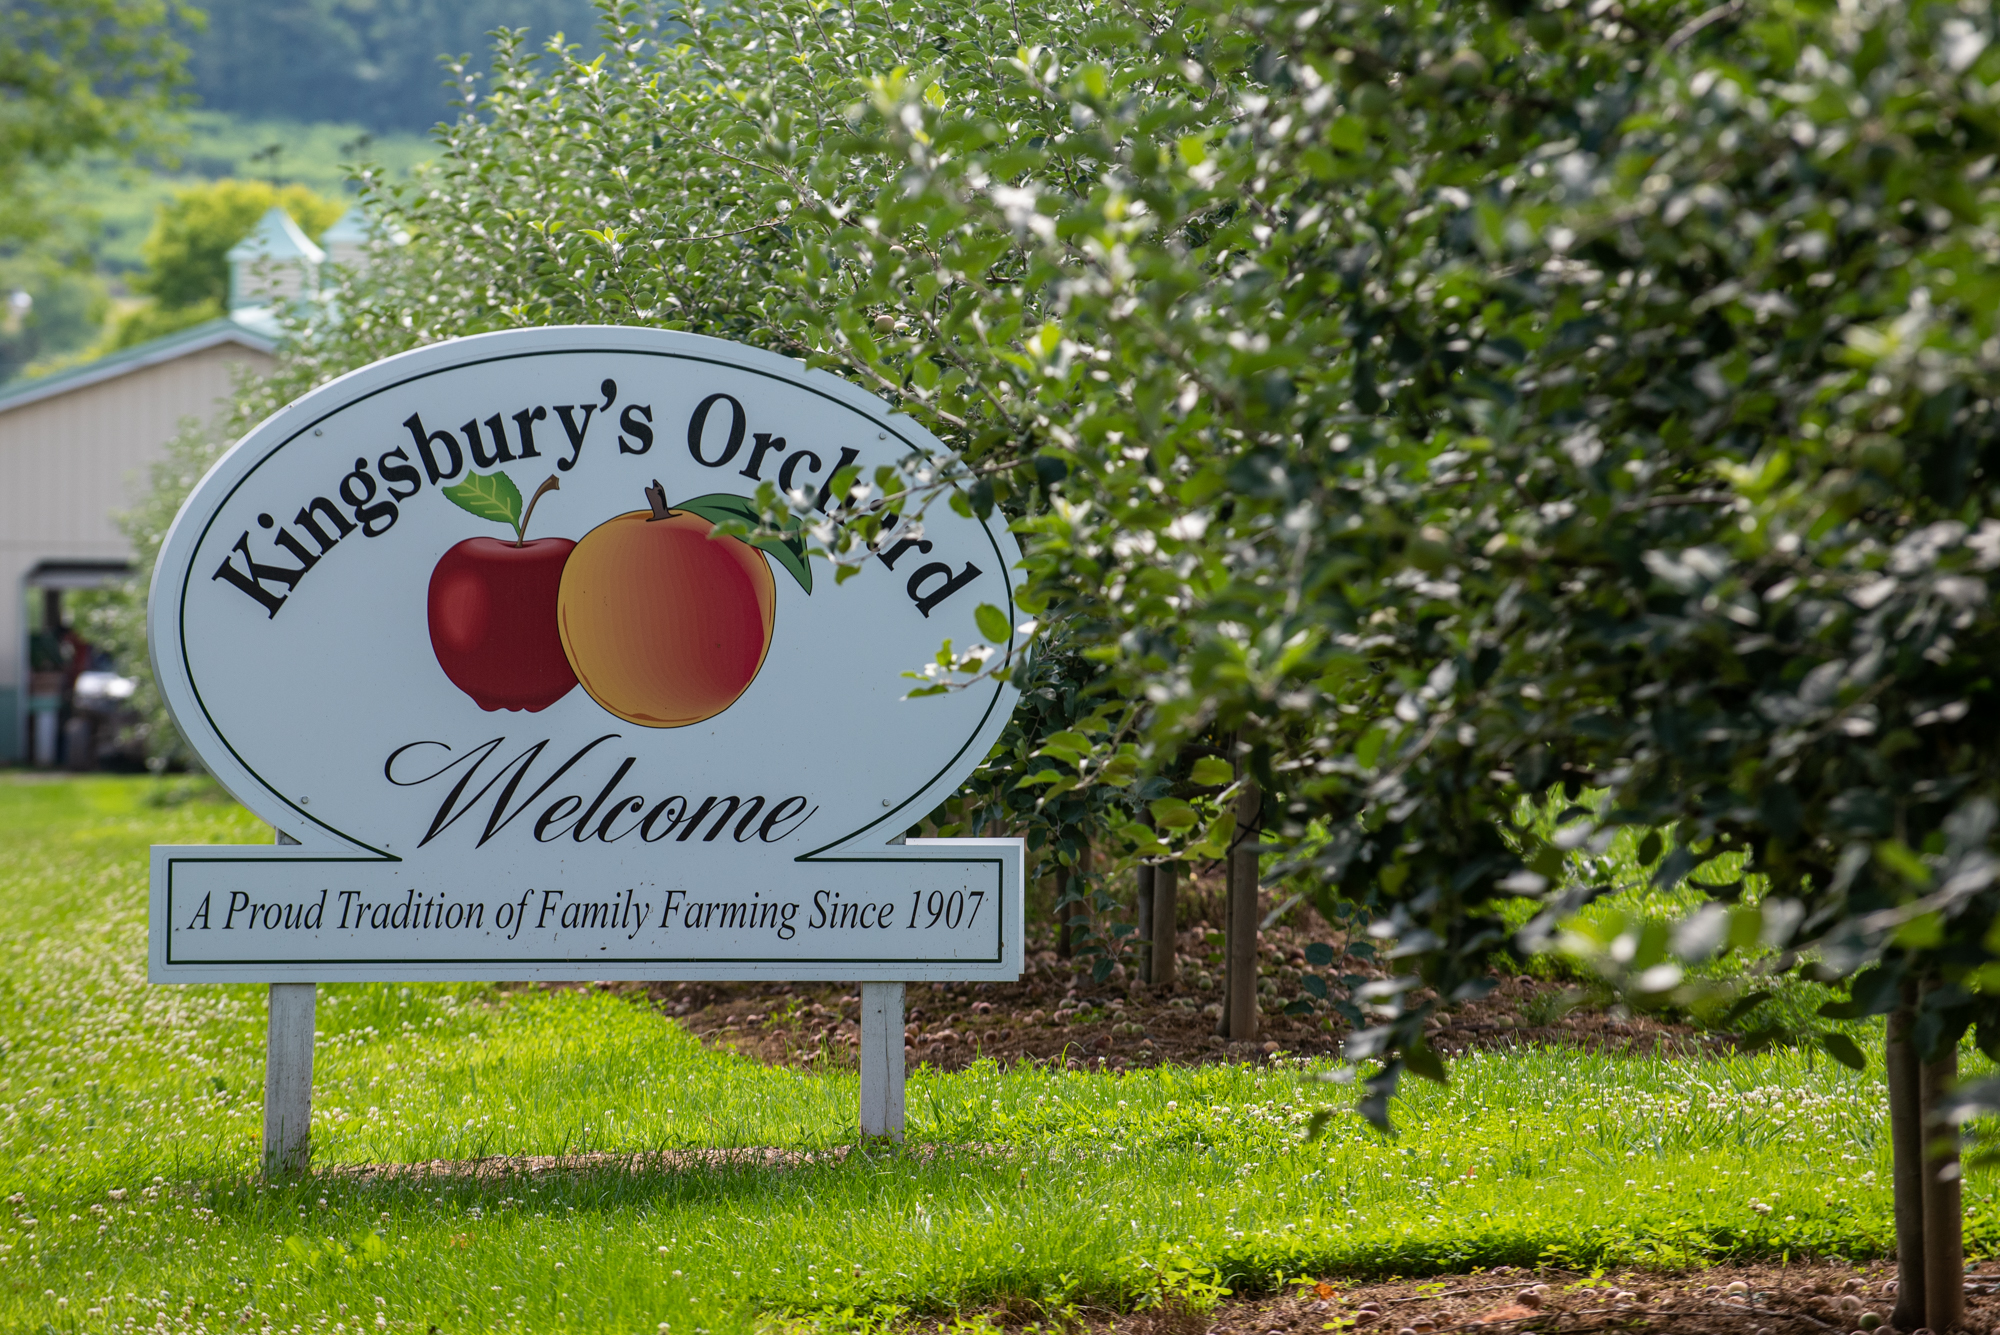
{"type": "Point", "coordinates": [1724, 1300]}
{"type": "Point", "coordinates": [1059, 1014]}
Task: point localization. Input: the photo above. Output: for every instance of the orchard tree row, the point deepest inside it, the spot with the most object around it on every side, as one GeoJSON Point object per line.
{"type": "Point", "coordinates": [1406, 410]}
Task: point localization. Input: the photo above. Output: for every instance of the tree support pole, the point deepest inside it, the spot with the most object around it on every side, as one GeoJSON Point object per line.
{"type": "Point", "coordinates": [1166, 879]}
{"type": "Point", "coordinates": [1944, 1240]}
{"type": "Point", "coordinates": [1906, 1140]}
{"type": "Point", "coordinates": [1145, 878]}
{"type": "Point", "coordinates": [1058, 886]}
{"type": "Point", "coordinates": [1080, 924]}
{"type": "Point", "coordinates": [1242, 976]}
{"type": "Point", "coordinates": [1072, 916]}
{"type": "Point", "coordinates": [882, 1061]}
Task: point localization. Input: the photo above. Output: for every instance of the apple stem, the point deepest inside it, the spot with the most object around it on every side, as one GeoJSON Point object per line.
{"type": "Point", "coordinates": [656, 497]}
{"type": "Point", "coordinates": [521, 529]}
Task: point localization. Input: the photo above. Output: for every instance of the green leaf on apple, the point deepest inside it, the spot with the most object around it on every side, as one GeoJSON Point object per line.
{"type": "Point", "coordinates": [789, 549]}
{"type": "Point", "coordinates": [493, 497]}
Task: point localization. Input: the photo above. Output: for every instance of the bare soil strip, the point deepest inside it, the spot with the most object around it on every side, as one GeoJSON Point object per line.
{"type": "Point", "coordinates": [1817, 1298]}
{"type": "Point", "coordinates": [1058, 1015]}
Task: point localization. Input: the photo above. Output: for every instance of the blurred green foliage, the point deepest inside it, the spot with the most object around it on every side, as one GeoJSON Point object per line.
{"type": "Point", "coordinates": [81, 76]}
{"type": "Point", "coordinates": [47, 308]}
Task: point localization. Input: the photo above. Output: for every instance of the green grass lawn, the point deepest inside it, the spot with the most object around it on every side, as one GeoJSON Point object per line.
{"type": "Point", "coordinates": [130, 1115]}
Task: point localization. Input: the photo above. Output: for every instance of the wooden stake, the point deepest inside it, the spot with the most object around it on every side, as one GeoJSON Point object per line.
{"type": "Point", "coordinates": [882, 1060]}
{"type": "Point", "coordinates": [1166, 879]}
{"type": "Point", "coordinates": [1065, 947]}
{"type": "Point", "coordinates": [1944, 1239]}
{"type": "Point", "coordinates": [1242, 974]}
{"type": "Point", "coordinates": [1142, 918]}
{"type": "Point", "coordinates": [1904, 1075]}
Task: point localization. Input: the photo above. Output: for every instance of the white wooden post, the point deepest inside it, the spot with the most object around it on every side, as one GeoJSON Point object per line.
{"type": "Point", "coordinates": [882, 1060]}
{"type": "Point", "coordinates": [288, 1078]}
{"type": "Point", "coordinates": [288, 1074]}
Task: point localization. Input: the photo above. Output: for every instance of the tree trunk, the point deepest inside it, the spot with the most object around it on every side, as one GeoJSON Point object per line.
{"type": "Point", "coordinates": [1241, 985]}
{"type": "Point", "coordinates": [1165, 925]}
{"type": "Point", "coordinates": [1142, 919]}
{"type": "Point", "coordinates": [1906, 1141]}
{"type": "Point", "coordinates": [1944, 1239]}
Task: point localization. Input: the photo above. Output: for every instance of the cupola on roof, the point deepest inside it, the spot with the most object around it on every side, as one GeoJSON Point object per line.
{"type": "Point", "coordinates": [275, 264]}
{"type": "Point", "coordinates": [347, 240]}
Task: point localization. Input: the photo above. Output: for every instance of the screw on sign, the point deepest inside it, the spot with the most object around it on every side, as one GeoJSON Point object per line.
{"type": "Point", "coordinates": [601, 740]}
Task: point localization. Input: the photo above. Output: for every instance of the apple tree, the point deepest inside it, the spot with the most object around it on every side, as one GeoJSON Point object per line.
{"type": "Point", "coordinates": [1511, 399]}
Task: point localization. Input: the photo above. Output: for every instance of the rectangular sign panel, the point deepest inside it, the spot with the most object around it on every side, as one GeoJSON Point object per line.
{"type": "Point", "coordinates": [226, 914]}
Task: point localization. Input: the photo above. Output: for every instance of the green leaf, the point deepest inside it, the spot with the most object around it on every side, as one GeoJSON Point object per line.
{"type": "Point", "coordinates": [1921, 933]}
{"type": "Point", "coordinates": [1649, 848]}
{"type": "Point", "coordinates": [993, 623]}
{"type": "Point", "coordinates": [1546, 860]}
{"type": "Point", "coordinates": [493, 497]}
{"type": "Point", "coordinates": [1898, 857]}
{"type": "Point", "coordinates": [1212, 772]}
{"type": "Point", "coordinates": [1118, 771]}
{"type": "Point", "coordinates": [1170, 813]}
{"type": "Point", "coordinates": [790, 550]}
{"type": "Point", "coordinates": [1742, 1006]}
{"type": "Point", "coordinates": [1844, 1050]}
{"type": "Point", "coordinates": [1746, 925]}
{"type": "Point", "coordinates": [1059, 787]}
{"type": "Point", "coordinates": [1370, 746]}
{"type": "Point", "coordinates": [1065, 745]}
{"type": "Point", "coordinates": [1424, 1062]}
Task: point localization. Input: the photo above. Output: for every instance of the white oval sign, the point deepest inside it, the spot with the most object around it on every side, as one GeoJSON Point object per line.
{"type": "Point", "coordinates": [460, 625]}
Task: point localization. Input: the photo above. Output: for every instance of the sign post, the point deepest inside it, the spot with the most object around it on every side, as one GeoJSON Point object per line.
{"type": "Point", "coordinates": [882, 1060]}
{"type": "Point", "coordinates": [462, 627]}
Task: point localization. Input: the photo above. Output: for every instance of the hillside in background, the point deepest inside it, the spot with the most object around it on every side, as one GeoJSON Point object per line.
{"type": "Point", "coordinates": [77, 291]}
{"type": "Point", "coordinates": [122, 200]}
{"type": "Point", "coordinates": [285, 91]}
{"type": "Point", "coordinates": [372, 63]}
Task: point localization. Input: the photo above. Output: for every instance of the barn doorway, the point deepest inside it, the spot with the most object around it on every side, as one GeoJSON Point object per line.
{"type": "Point", "coordinates": [75, 712]}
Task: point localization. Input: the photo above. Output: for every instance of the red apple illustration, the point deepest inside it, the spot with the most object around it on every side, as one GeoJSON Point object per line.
{"type": "Point", "coordinates": [666, 622]}
{"type": "Point", "coordinates": [493, 604]}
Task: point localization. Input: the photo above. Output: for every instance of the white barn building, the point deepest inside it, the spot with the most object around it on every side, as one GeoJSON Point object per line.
{"type": "Point", "coordinates": [75, 450]}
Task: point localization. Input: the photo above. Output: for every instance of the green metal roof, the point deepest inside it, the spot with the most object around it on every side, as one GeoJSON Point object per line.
{"type": "Point", "coordinates": [353, 227]}
{"type": "Point", "coordinates": [276, 237]}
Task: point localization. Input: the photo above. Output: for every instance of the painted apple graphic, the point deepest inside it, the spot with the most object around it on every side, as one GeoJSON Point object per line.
{"type": "Point", "coordinates": [666, 622]}
{"type": "Point", "coordinates": [493, 604]}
